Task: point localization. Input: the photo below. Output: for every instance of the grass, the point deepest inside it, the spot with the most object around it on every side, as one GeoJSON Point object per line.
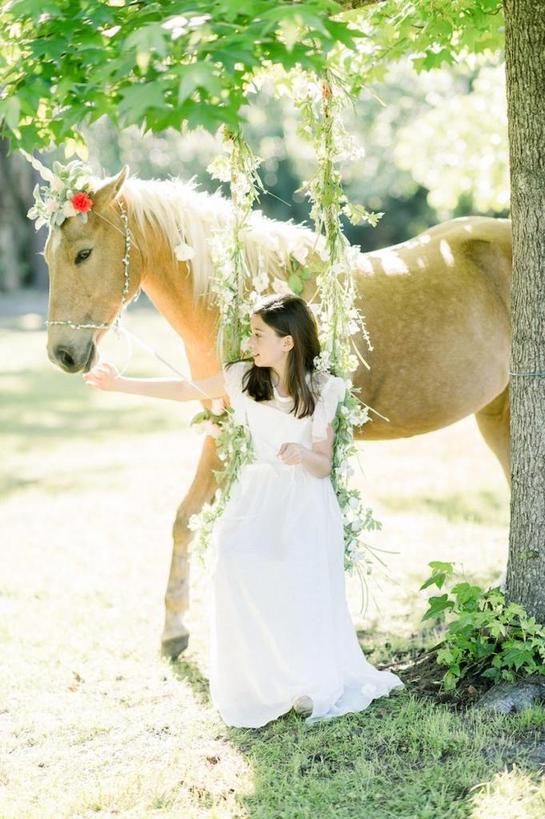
{"type": "Point", "coordinates": [94, 723]}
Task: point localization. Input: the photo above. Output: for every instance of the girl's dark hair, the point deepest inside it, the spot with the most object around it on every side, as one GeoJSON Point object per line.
{"type": "Point", "coordinates": [288, 315]}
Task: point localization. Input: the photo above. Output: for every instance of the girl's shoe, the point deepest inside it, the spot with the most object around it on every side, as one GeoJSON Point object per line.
{"type": "Point", "coordinates": [303, 705]}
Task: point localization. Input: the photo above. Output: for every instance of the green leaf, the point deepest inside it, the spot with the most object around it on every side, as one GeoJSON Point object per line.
{"type": "Point", "coordinates": [10, 110]}
{"type": "Point", "coordinates": [197, 75]}
{"type": "Point", "coordinates": [137, 98]}
{"type": "Point", "coordinates": [296, 284]}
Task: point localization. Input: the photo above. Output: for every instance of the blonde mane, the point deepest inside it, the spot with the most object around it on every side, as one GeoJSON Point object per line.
{"type": "Point", "coordinates": [180, 212]}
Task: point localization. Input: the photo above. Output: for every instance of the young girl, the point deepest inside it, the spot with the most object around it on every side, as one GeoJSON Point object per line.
{"type": "Point", "coordinates": [281, 635]}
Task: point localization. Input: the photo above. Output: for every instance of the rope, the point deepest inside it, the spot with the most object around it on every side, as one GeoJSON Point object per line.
{"type": "Point", "coordinates": [130, 335]}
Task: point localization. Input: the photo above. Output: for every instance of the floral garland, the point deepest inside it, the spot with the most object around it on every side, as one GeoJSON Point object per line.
{"type": "Point", "coordinates": [237, 165]}
{"type": "Point", "coordinates": [337, 316]}
{"type": "Point", "coordinates": [67, 192]}
{"type": "Point", "coordinates": [321, 111]}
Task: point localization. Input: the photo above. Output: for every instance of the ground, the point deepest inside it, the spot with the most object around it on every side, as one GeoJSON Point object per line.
{"type": "Point", "coordinates": [93, 722]}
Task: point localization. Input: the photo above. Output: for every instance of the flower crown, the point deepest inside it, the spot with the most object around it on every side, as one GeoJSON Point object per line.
{"type": "Point", "coordinates": [67, 193]}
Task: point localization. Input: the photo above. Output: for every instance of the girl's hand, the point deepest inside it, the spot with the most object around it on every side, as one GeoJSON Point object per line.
{"type": "Point", "coordinates": [291, 453]}
{"type": "Point", "coordinates": [103, 375]}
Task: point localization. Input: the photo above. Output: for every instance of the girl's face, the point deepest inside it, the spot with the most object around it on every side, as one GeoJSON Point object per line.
{"type": "Point", "coordinates": [268, 349]}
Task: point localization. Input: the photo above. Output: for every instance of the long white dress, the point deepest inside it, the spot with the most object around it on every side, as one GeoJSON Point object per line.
{"type": "Point", "coordinates": [280, 626]}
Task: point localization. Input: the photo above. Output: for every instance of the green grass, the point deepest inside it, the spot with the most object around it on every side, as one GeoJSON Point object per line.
{"type": "Point", "coordinates": [94, 723]}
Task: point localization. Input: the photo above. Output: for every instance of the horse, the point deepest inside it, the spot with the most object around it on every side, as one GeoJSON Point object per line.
{"type": "Point", "coordinates": [436, 307]}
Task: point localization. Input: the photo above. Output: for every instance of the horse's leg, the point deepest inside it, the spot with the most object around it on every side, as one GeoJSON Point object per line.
{"type": "Point", "coordinates": [175, 635]}
{"type": "Point", "coordinates": [493, 422]}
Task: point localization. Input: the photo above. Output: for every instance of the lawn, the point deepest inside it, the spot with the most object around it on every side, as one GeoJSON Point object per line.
{"type": "Point", "coordinates": [94, 723]}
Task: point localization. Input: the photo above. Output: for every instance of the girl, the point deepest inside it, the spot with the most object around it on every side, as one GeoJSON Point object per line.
{"type": "Point", "coordinates": [281, 635]}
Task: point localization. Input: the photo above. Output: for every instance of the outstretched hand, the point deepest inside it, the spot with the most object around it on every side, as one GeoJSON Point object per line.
{"type": "Point", "coordinates": [103, 376]}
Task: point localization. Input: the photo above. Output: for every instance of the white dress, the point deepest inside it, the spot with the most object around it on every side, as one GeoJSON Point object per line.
{"type": "Point", "coordinates": [280, 626]}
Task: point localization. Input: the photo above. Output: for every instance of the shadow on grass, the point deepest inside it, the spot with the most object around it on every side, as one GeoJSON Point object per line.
{"type": "Point", "coordinates": [404, 756]}
{"type": "Point", "coordinates": [484, 507]}
{"type": "Point", "coordinates": [50, 407]}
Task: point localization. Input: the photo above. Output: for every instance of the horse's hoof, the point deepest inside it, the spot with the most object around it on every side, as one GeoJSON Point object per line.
{"type": "Point", "coordinates": [173, 647]}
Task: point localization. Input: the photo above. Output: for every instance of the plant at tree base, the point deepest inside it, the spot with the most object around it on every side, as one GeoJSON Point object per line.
{"type": "Point", "coordinates": [486, 636]}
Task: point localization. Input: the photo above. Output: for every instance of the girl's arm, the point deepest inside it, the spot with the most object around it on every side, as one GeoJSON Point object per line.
{"type": "Point", "coordinates": [317, 461]}
{"type": "Point", "coordinates": [105, 376]}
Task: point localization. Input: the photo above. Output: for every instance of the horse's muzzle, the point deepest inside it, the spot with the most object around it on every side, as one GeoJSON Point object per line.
{"type": "Point", "coordinates": [73, 360]}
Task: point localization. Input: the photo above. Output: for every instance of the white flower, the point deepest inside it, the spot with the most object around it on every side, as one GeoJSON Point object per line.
{"type": "Point", "coordinates": [300, 252]}
{"type": "Point", "coordinates": [218, 406]}
{"type": "Point", "coordinates": [211, 429]}
{"type": "Point", "coordinates": [261, 281]}
{"type": "Point", "coordinates": [240, 186]}
{"type": "Point", "coordinates": [69, 209]}
{"type": "Point", "coordinates": [280, 286]}
{"type": "Point", "coordinates": [57, 185]}
{"type": "Point", "coordinates": [220, 169]}
{"type": "Point", "coordinates": [184, 252]}
{"type": "Point", "coordinates": [52, 205]}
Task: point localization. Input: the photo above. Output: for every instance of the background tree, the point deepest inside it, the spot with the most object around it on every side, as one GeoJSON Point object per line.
{"type": "Point", "coordinates": [525, 70]}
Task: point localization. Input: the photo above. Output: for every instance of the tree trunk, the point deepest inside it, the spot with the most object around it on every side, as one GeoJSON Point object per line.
{"type": "Point", "coordinates": [20, 244]}
{"type": "Point", "coordinates": [525, 74]}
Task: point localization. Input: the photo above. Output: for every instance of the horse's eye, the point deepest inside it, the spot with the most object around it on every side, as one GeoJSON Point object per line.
{"type": "Point", "coordinates": [83, 254]}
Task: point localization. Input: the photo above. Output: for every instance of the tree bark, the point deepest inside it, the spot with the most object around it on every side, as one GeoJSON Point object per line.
{"type": "Point", "coordinates": [525, 74]}
{"type": "Point", "coordinates": [20, 244]}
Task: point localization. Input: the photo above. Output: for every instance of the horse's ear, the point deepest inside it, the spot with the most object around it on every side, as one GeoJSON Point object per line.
{"type": "Point", "coordinates": [108, 192]}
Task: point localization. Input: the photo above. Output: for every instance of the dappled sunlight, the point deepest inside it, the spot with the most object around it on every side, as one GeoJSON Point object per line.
{"type": "Point", "coordinates": [391, 264]}
{"type": "Point", "coordinates": [446, 253]}
{"type": "Point", "coordinates": [99, 722]}
{"type": "Point", "coordinates": [510, 793]}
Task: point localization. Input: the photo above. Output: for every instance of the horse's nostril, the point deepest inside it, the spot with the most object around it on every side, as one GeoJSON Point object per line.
{"type": "Point", "coordinates": [64, 356]}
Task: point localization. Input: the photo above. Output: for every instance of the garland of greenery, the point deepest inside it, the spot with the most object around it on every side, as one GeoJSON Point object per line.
{"type": "Point", "coordinates": [338, 318]}
{"type": "Point", "coordinates": [237, 165]}
{"type": "Point", "coordinates": [321, 112]}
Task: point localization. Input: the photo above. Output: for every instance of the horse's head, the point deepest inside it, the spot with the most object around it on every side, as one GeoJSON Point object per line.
{"type": "Point", "coordinates": [86, 277]}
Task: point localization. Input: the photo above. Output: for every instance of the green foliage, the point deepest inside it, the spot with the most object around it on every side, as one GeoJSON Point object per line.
{"type": "Point", "coordinates": [176, 63]}
{"type": "Point", "coordinates": [433, 35]}
{"type": "Point", "coordinates": [486, 636]}
{"type": "Point", "coordinates": [160, 64]}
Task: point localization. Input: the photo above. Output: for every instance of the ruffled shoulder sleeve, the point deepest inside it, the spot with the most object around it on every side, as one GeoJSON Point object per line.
{"type": "Point", "coordinates": [232, 375]}
{"type": "Point", "coordinates": [332, 392]}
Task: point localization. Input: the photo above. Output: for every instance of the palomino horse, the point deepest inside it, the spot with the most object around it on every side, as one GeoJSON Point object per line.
{"type": "Point", "coordinates": [437, 308]}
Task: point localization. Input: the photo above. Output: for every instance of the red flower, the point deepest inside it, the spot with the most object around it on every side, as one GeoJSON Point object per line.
{"type": "Point", "coordinates": [81, 202]}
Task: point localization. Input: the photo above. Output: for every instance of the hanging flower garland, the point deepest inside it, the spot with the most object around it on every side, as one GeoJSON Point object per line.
{"type": "Point", "coordinates": [238, 166]}
{"type": "Point", "coordinates": [321, 108]}
{"type": "Point", "coordinates": [337, 315]}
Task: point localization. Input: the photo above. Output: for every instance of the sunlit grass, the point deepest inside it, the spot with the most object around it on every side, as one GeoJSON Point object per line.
{"type": "Point", "coordinates": [94, 723]}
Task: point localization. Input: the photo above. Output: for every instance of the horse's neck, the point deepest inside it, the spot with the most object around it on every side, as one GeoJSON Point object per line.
{"type": "Point", "coordinates": [169, 286]}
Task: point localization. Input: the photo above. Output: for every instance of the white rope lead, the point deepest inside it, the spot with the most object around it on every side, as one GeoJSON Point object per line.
{"type": "Point", "coordinates": [130, 335]}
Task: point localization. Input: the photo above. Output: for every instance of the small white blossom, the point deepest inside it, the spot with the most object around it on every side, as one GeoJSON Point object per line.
{"type": "Point", "coordinates": [184, 252]}
{"type": "Point", "coordinates": [57, 185]}
{"type": "Point", "coordinates": [69, 209]}
{"type": "Point", "coordinates": [261, 281]}
{"type": "Point", "coordinates": [300, 252]}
